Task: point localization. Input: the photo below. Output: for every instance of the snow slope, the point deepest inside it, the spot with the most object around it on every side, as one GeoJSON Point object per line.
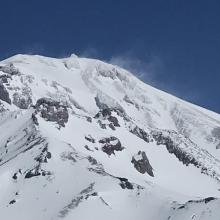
{"type": "Point", "coordinates": [83, 139]}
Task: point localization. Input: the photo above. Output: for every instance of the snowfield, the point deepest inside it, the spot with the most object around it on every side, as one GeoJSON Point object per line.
{"type": "Point", "coordinates": [82, 139]}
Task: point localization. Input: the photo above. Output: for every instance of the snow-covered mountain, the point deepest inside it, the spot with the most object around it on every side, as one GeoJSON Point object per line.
{"type": "Point", "coordinates": [82, 139]}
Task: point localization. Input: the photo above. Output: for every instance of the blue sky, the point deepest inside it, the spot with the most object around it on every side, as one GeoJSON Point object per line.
{"type": "Point", "coordinates": [173, 45]}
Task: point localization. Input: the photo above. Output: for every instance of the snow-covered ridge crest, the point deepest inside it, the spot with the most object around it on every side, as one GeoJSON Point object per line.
{"type": "Point", "coordinates": [91, 136]}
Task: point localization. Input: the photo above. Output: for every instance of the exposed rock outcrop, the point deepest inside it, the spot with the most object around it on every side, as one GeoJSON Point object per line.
{"type": "Point", "coordinates": [173, 149]}
{"type": "Point", "coordinates": [9, 69]}
{"type": "Point", "coordinates": [124, 183]}
{"type": "Point", "coordinates": [110, 145]}
{"type": "Point", "coordinates": [52, 110]}
{"type": "Point", "coordinates": [4, 95]}
{"type": "Point", "coordinates": [109, 114]}
{"type": "Point", "coordinates": [141, 134]}
{"type": "Point", "coordinates": [23, 99]}
{"type": "Point", "coordinates": [90, 139]}
{"type": "Point", "coordinates": [36, 172]}
{"type": "Point", "coordinates": [44, 156]}
{"type": "Point", "coordinates": [142, 164]}
{"type": "Point", "coordinates": [4, 78]}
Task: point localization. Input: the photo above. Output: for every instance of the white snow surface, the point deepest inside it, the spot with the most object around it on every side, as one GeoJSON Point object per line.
{"type": "Point", "coordinates": [83, 169]}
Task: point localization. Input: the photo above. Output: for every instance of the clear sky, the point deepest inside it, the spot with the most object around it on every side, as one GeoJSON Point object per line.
{"type": "Point", "coordinates": [171, 44]}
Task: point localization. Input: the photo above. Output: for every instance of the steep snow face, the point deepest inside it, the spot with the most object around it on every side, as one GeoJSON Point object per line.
{"type": "Point", "coordinates": [84, 138]}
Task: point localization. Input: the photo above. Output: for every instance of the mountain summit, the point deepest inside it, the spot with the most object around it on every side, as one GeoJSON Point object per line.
{"type": "Point", "coordinates": [82, 139]}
